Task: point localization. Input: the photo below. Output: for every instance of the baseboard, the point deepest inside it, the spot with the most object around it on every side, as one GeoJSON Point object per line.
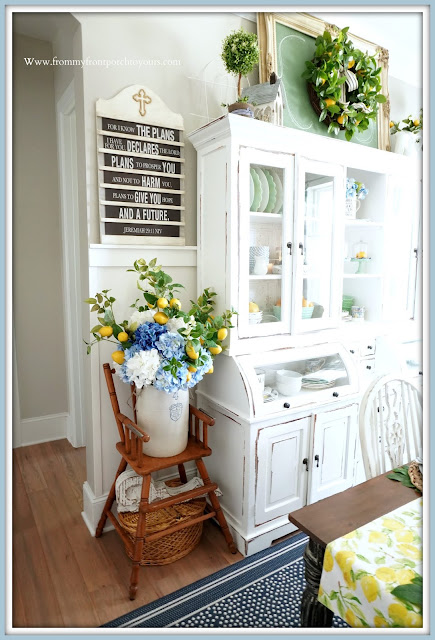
{"type": "Point", "coordinates": [93, 505]}
{"type": "Point", "coordinates": [43, 429]}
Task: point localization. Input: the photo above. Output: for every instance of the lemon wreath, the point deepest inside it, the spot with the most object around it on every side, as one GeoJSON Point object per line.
{"type": "Point", "coordinates": [343, 84]}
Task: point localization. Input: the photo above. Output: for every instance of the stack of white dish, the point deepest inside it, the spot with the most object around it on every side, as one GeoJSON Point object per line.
{"type": "Point", "coordinates": [266, 190]}
{"type": "Point", "coordinates": [323, 379]}
{"type": "Point", "coordinates": [288, 382]}
{"type": "Point", "coordinates": [256, 317]}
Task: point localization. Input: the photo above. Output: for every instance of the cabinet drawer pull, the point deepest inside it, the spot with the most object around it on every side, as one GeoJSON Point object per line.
{"type": "Point", "coordinates": [368, 366]}
{"type": "Point", "coordinates": [369, 346]}
{"type": "Point", "coordinates": [335, 394]}
{"type": "Point", "coordinates": [316, 457]}
{"type": "Point", "coordinates": [305, 462]}
{"type": "Point", "coordinates": [289, 247]}
{"type": "Point", "coordinates": [352, 351]}
{"type": "Point", "coordinates": [286, 405]}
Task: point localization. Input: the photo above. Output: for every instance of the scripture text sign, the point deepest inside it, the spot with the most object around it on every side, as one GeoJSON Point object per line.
{"type": "Point", "coordinates": [141, 180]}
{"type": "Point", "coordinates": [138, 163]}
{"type": "Point", "coordinates": [143, 197]}
{"type": "Point", "coordinates": [132, 229]}
{"type": "Point", "coordinates": [141, 168]}
{"type": "Point", "coordinates": [143, 213]}
{"type": "Point", "coordinates": [143, 147]}
{"type": "Point", "coordinates": [142, 130]}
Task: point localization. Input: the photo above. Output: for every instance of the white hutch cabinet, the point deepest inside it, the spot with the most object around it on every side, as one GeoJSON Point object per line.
{"type": "Point", "coordinates": [275, 244]}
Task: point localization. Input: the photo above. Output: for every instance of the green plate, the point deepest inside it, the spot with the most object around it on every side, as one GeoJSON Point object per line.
{"type": "Point", "coordinates": [257, 190]}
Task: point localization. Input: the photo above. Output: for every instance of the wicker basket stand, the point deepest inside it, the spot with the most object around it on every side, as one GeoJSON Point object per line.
{"type": "Point", "coordinates": [175, 545]}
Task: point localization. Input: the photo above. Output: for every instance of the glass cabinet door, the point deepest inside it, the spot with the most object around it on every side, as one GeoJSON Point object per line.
{"type": "Point", "coordinates": [319, 230]}
{"type": "Point", "coordinates": [265, 241]}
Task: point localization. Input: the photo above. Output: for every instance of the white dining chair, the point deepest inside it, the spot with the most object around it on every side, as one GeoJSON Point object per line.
{"type": "Point", "coordinates": [390, 424]}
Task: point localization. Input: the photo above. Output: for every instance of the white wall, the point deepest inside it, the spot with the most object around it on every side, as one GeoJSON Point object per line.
{"type": "Point", "coordinates": [192, 39]}
{"type": "Point", "coordinates": [37, 276]}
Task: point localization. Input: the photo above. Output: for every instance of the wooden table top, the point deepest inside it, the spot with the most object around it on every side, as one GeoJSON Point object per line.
{"type": "Point", "coordinates": [333, 517]}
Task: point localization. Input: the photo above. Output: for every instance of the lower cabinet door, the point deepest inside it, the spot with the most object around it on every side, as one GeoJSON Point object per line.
{"type": "Point", "coordinates": [333, 454]}
{"type": "Point", "coordinates": [281, 474]}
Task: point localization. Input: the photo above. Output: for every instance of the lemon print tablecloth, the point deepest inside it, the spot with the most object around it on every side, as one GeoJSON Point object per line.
{"type": "Point", "coordinates": [362, 568]}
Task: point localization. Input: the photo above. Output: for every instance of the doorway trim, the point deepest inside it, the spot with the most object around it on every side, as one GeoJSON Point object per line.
{"type": "Point", "coordinates": [69, 214]}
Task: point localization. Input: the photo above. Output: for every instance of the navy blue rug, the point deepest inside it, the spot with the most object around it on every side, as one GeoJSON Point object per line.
{"type": "Point", "coordinates": [262, 591]}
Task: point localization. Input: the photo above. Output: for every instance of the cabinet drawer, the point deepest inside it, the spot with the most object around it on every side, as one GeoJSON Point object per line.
{"type": "Point", "coordinates": [368, 348]}
{"type": "Point", "coordinates": [367, 367]}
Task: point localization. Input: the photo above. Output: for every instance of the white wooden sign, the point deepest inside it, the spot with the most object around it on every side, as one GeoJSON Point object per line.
{"type": "Point", "coordinates": [140, 169]}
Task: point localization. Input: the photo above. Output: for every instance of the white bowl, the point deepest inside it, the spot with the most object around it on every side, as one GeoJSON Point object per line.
{"type": "Point", "coordinates": [288, 382]}
{"type": "Point", "coordinates": [256, 317]}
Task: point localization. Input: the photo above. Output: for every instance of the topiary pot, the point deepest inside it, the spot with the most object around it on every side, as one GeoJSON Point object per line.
{"type": "Point", "coordinates": [242, 106]}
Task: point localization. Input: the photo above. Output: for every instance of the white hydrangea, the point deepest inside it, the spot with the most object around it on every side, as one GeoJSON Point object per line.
{"type": "Point", "coordinates": [141, 368]}
{"type": "Point", "coordinates": [139, 317]}
{"type": "Point", "coordinates": [174, 324]}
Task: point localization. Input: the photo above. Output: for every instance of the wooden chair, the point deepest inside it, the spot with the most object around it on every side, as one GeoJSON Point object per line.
{"type": "Point", "coordinates": [390, 424]}
{"type": "Point", "coordinates": [130, 448]}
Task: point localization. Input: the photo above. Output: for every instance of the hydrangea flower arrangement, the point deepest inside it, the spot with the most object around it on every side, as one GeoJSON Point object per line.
{"type": "Point", "coordinates": [161, 345]}
{"type": "Point", "coordinates": [355, 189]}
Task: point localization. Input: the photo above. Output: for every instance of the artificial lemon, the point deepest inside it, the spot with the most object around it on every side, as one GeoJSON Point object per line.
{"type": "Point", "coordinates": [175, 304]}
{"type": "Point", "coordinates": [328, 561]}
{"type": "Point", "coordinates": [253, 307]}
{"type": "Point", "coordinates": [215, 350]}
{"type": "Point", "coordinates": [304, 303]}
{"type": "Point", "coordinates": [416, 123]}
{"type": "Point", "coordinates": [404, 536]}
{"type": "Point", "coordinates": [222, 333]}
{"type": "Point", "coordinates": [350, 64]}
{"type": "Point", "coordinates": [323, 81]}
{"type": "Point", "coordinates": [340, 119]}
{"type": "Point", "coordinates": [404, 576]}
{"type": "Point", "coordinates": [380, 622]}
{"type": "Point", "coordinates": [210, 319]}
{"type": "Point", "coordinates": [191, 352]}
{"type": "Point", "coordinates": [162, 303]}
{"type": "Point", "coordinates": [350, 618]}
{"type": "Point", "coordinates": [191, 368]}
{"type": "Point", "coordinates": [376, 537]}
{"type": "Point", "coordinates": [211, 369]}
{"type": "Point", "coordinates": [370, 588]}
{"type": "Point", "coordinates": [410, 551]}
{"type": "Point", "coordinates": [188, 376]}
{"type": "Point", "coordinates": [413, 619]}
{"type": "Point", "coordinates": [118, 357]}
{"type": "Point", "coordinates": [329, 102]}
{"type": "Point", "coordinates": [160, 317]}
{"type": "Point", "coordinates": [391, 124]}
{"type": "Point", "coordinates": [106, 332]}
{"type": "Point", "coordinates": [278, 303]}
{"type": "Point", "coordinates": [398, 613]}
{"type": "Point", "coordinates": [391, 524]}
{"type": "Point", "coordinates": [357, 122]}
{"type": "Point", "coordinates": [311, 304]}
{"type": "Point", "coordinates": [122, 336]}
{"type": "Point", "coordinates": [386, 574]}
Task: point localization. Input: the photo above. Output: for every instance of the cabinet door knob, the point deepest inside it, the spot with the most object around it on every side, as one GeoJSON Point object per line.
{"type": "Point", "coordinates": [335, 394]}
{"type": "Point", "coordinates": [301, 247]}
{"type": "Point", "coordinates": [316, 457]}
{"type": "Point", "coordinates": [305, 462]}
{"type": "Point", "coordinates": [368, 367]}
{"type": "Point", "coordinates": [289, 247]}
{"type": "Point", "coordinates": [420, 373]}
{"type": "Point", "coordinates": [369, 346]}
{"type": "Point", "coordinates": [352, 351]}
{"type": "Point", "coordinates": [286, 405]}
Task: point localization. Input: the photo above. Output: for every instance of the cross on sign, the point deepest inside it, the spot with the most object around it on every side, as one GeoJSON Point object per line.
{"type": "Point", "coordinates": [143, 99]}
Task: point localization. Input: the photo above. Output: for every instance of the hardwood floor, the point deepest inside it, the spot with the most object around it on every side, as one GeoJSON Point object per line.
{"type": "Point", "coordinates": [62, 576]}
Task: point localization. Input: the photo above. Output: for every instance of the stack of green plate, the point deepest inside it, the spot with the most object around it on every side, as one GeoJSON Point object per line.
{"type": "Point", "coordinates": [348, 302]}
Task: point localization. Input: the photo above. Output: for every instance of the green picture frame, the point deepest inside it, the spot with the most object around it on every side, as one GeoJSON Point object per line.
{"type": "Point", "coordinates": [286, 42]}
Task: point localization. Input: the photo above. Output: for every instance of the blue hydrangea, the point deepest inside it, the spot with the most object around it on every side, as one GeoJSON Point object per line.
{"type": "Point", "coordinates": [165, 381]}
{"type": "Point", "coordinates": [171, 345]}
{"type": "Point", "coordinates": [147, 335]}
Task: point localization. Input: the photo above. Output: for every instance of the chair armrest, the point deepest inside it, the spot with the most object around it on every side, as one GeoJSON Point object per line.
{"type": "Point", "coordinates": [129, 424]}
{"type": "Point", "coordinates": [204, 417]}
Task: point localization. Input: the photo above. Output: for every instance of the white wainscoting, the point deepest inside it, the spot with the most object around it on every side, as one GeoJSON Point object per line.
{"type": "Point", "coordinates": [43, 429]}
